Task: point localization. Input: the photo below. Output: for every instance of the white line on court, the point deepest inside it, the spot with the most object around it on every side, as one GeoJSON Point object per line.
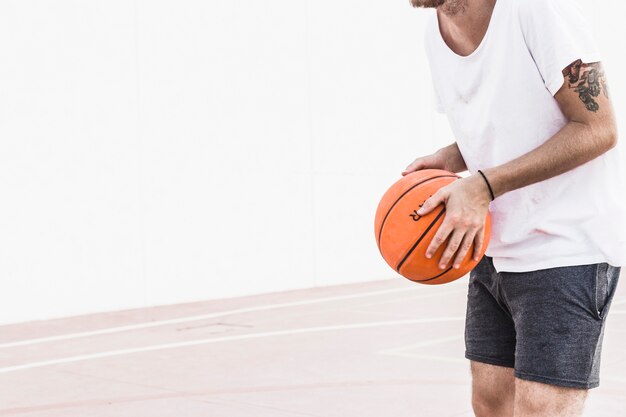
{"type": "Point", "coordinates": [432, 357]}
{"type": "Point", "coordinates": [403, 351]}
{"type": "Point", "coordinates": [412, 297]}
{"type": "Point", "coordinates": [426, 343]}
{"type": "Point", "coordinates": [108, 354]}
{"type": "Point", "coordinates": [117, 329]}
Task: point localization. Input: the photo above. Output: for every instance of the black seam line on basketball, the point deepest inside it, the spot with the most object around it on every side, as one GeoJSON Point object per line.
{"type": "Point", "coordinates": [430, 279]}
{"type": "Point", "coordinates": [430, 226]}
{"type": "Point", "coordinates": [382, 225]}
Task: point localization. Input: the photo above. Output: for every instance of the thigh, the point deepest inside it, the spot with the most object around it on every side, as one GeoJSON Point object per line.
{"type": "Point", "coordinates": [489, 328]}
{"type": "Point", "coordinates": [559, 316]}
{"type": "Point", "coordinates": [491, 382]}
{"type": "Point", "coordinates": [535, 399]}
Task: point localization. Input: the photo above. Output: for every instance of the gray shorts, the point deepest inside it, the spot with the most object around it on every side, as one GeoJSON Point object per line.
{"type": "Point", "coordinates": [547, 325]}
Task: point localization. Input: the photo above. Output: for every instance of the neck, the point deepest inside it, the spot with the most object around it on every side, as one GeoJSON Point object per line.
{"type": "Point", "coordinates": [465, 20]}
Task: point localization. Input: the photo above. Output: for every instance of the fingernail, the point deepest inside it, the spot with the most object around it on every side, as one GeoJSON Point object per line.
{"type": "Point", "coordinates": [442, 266]}
{"type": "Point", "coordinates": [428, 255]}
{"type": "Point", "coordinates": [420, 212]}
{"type": "Point", "coordinates": [476, 258]}
{"type": "Point", "coordinates": [457, 266]}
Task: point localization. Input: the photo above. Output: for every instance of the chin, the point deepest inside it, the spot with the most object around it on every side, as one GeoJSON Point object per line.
{"type": "Point", "coordinates": [427, 3]}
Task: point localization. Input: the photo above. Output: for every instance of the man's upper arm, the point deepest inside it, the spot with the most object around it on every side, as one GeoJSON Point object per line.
{"type": "Point", "coordinates": [584, 96]}
{"type": "Point", "coordinates": [557, 33]}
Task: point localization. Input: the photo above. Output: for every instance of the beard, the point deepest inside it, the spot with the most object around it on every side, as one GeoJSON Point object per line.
{"type": "Point", "coordinates": [449, 7]}
{"type": "Point", "coordinates": [427, 3]}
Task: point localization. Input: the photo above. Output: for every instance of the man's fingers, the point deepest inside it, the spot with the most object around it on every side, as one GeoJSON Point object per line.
{"type": "Point", "coordinates": [414, 166]}
{"type": "Point", "coordinates": [453, 246]}
{"type": "Point", "coordinates": [479, 239]}
{"type": "Point", "coordinates": [440, 237]}
{"type": "Point", "coordinates": [430, 204]}
{"type": "Point", "coordinates": [465, 245]}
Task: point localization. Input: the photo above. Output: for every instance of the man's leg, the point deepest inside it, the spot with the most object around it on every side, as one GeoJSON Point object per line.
{"type": "Point", "coordinates": [493, 390]}
{"type": "Point", "coordinates": [534, 399]}
{"type": "Point", "coordinates": [489, 343]}
{"type": "Point", "coordinates": [560, 315]}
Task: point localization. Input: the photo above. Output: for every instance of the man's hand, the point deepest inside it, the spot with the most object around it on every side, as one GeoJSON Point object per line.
{"type": "Point", "coordinates": [424, 162]}
{"type": "Point", "coordinates": [467, 203]}
{"type": "Point", "coordinates": [448, 158]}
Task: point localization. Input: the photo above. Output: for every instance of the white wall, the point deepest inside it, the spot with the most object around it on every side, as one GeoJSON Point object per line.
{"type": "Point", "coordinates": [161, 151]}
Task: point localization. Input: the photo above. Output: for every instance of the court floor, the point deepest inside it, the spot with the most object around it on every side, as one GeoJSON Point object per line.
{"type": "Point", "coordinates": [387, 348]}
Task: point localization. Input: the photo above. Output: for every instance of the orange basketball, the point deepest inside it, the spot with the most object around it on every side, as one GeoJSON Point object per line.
{"type": "Point", "coordinates": [403, 236]}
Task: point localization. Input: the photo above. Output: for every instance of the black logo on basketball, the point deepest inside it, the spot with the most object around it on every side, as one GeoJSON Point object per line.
{"type": "Point", "coordinates": [416, 216]}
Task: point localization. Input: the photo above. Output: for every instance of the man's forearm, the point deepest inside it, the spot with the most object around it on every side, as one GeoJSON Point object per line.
{"type": "Point", "coordinates": [574, 145]}
{"type": "Point", "coordinates": [451, 155]}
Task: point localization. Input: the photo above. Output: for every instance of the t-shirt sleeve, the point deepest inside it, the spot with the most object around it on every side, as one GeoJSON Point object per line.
{"type": "Point", "coordinates": [557, 33]}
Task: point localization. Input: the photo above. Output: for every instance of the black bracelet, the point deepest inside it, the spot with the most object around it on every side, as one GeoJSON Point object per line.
{"type": "Point", "coordinates": [493, 197]}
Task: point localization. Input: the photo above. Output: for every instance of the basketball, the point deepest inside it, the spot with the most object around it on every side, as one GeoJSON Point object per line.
{"type": "Point", "coordinates": [403, 236]}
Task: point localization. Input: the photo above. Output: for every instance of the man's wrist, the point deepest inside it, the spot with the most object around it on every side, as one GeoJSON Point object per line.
{"type": "Point", "coordinates": [451, 159]}
{"type": "Point", "coordinates": [496, 180]}
{"type": "Point", "coordinates": [482, 174]}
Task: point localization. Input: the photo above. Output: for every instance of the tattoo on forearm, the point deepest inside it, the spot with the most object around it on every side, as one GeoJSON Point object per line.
{"type": "Point", "coordinates": [588, 81]}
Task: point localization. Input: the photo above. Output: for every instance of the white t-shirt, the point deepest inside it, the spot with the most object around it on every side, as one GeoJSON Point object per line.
{"type": "Point", "coordinates": [500, 105]}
